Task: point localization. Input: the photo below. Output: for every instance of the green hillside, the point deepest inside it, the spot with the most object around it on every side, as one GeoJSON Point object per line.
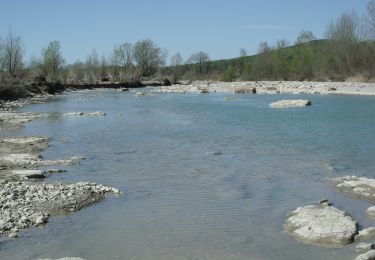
{"type": "Point", "coordinates": [315, 60]}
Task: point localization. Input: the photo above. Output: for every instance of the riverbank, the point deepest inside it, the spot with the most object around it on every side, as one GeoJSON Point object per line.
{"type": "Point", "coordinates": [37, 91]}
{"type": "Point", "coordinates": [274, 87]}
{"type": "Point", "coordinates": [25, 199]}
{"type": "Point", "coordinates": [44, 88]}
{"type": "Point", "coordinates": [200, 158]}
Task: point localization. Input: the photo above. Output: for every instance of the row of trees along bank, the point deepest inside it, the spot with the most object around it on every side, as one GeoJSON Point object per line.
{"type": "Point", "coordinates": [348, 49]}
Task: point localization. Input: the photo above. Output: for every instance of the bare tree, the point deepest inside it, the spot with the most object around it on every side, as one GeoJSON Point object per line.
{"type": "Point", "coordinates": [103, 68]}
{"type": "Point", "coordinates": [344, 36]}
{"type": "Point", "coordinates": [77, 70]}
{"type": "Point", "coordinates": [243, 55]}
{"type": "Point", "coordinates": [176, 61]}
{"type": "Point", "coordinates": [371, 17]}
{"type": "Point", "coordinates": [122, 56]}
{"type": "Point", "coordinates": [347, 28]}
{"type": "Point", "coordinates": [52, 60]}
{"type": "Point", "coordinates": [13, 55]}
{"type": "Point", "coordinates": [201, 58]}
{"type": "Point", "coordinates": [281, 44]}
{"type": "Point", "coordinates": [148, 57]}
{"type": "Point", "coordinates": [305, 37]}
{"type": "Point", "coordinates": [264, 47]}
{"type": "Point", "coordinates": [92, 66]}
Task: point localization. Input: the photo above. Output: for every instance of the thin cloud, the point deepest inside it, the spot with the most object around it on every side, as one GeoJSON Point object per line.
{"type": "Point", "coordinates": [264, 27]}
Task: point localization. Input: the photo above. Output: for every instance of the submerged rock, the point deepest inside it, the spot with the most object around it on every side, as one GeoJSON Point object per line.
{"type": "Point", "coordinates": [370, 255]}
{"type": "Point", "coordinates": [76, 114]}
{"type": "Point", "coordinates": [358, 187]}
{"type": "Point", "coordinates": [322, 225]}
{"type": "Point", "coordinates": [139, 94]}
{"type": "Point", "coordinates": [214, 152]}
{"type": "Point", "coordinates": [65, 258]}
{"type": "Point", "coordinates": [17, 119]}
{"type": "Point", "coordinates": [291, 103]}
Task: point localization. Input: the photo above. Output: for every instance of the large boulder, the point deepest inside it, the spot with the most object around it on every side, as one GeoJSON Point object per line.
{"type": "Point", "coordinates": [321, 225]}
{"type": "Point", "coordinates": [291, 103]}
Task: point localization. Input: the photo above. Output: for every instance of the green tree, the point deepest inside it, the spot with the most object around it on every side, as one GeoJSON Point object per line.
{"type": "Point", "coordinates": [303, 60]}
{"type": "Point", "coordinates": [201, 59]}
{"type": "Point", "coordinates": [229, 74]}
{"type": "Point", "coordinates": [52, 60]}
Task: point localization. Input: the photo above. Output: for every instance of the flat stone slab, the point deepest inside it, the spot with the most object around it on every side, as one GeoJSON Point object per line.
{"type": "Point", "coordinates": [30, 174]}
{"type": "Point", "coordinates": [322, 225]}
{"type": "Point", "coordinates": [291, 103]}
{"type": "Point", "coordinates": [359, 187]}
{"type": "Point", "coordinates": [25, 140]}
{"type": "Point", "coordinates": [77, 114]}
{"type": "Point", "coordinates": [26, 160]}
{"type": "Point", "coordinates": [370, 255]}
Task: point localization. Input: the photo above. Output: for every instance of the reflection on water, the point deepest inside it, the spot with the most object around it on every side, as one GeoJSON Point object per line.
{"type": "Point", "coordinates": [183, 201]}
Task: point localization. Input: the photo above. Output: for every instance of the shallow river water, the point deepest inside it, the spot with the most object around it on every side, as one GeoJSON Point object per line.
{"type": "Point", "coordinates": [203, 176]}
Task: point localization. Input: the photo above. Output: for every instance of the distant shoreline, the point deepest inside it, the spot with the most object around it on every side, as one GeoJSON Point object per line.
{"type": "Point", "coordinates": [274, 87]}
{"type": "Point", "coordinates": [40, 90]}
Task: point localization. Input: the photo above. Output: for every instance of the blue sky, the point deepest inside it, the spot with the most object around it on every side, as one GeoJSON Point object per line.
{"type": "Point", "coordinates": [218, 27]}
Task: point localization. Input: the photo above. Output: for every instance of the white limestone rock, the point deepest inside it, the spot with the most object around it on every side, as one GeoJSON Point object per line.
{"type": "Point", "coordinates": [322, 225]}
{"type": "Point", "coordinates": [291, 103]}
{"type": "Point", "coordinates": [370, 255]}
{"type": "Point", "coordinates": [359, 187]}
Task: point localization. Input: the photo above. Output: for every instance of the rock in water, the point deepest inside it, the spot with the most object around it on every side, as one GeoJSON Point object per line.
{"type": "Point", "coordinates": [370, 255]}
{"type": "Point", "coordinates": [365, 234]}
{"type": "Point", "coordinates": [65, 258]}
{"type": "Point", "coordinates": [371, 212]}
{"type": "Point", "coordinates": [75, 114]}
{"type": "Point", "coordinates": [30, 174]}
{"type": "Point", "coordinates": [358, 187]}
{"type": "Point", "coordinates": [364, 246]}
{"type": "Point", "coordinates": [322, 225]}
{"type": "Point", "coordinates": [291, 103]}
{"type": "Point", "coordinates": [245, 90]}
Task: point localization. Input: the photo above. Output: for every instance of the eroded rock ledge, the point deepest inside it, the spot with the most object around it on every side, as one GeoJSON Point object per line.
{"type": "Point", "coordinates": [359, 187]}
{"type": "Point", "coordinates": [26, 204]}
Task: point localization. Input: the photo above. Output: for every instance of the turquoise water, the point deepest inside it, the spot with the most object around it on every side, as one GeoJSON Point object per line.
{"type": "Point", "coordinates": [181, 202]}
